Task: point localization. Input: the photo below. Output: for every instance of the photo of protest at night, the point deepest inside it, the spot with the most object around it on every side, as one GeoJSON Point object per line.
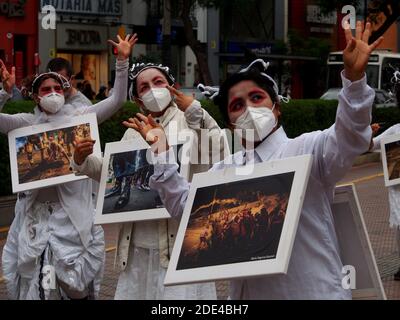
{"type": "Point", "coordinates": [236, 222]}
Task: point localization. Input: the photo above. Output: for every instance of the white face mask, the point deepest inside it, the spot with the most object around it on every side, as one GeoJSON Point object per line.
{"type": "Point", "coordinates": [261, 120]}
{"type": "Point", "coordinates": [52, 102]}
{"type": "Point", "coordinates": [157, 99]}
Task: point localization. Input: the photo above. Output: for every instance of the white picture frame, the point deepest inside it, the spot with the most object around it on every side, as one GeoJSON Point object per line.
{"type": "Point", "coordinates": [289, 178]}
{"type": "Point", "coordinates": [354, 245]}
{"type": "Point", "coordinates": [390, 145]}
{"type": "Point", "coordinates": [150, 206]}
{"type": "Point", "coordinates": [34, 158]}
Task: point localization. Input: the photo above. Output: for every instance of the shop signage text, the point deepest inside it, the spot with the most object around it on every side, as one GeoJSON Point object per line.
{"type": "Point", "coordinates": [314, 15]}
{"type": "Point", "coordinates": [78, 37]}
{"type": "Point", "coordinates": [12, 9]}
{"type": "Point", "coordinates": [83, 37]}
{"type": "Point", "coordinates": [95, 7]}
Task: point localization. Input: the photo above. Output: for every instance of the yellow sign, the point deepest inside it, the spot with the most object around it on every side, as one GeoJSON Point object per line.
{"type": "Point", "coordinates": [52, 53]}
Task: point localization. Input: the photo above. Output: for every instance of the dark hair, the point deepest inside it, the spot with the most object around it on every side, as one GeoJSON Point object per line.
{"type": "Point", "coordinates": [221, 100]}
{"type": "Point", "coordinates": [59, 64]}
{"type": "Point", "coordinates": [37, 83]}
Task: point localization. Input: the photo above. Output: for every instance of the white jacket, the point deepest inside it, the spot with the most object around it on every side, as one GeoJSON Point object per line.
{"type": "Point", "coordinates": [315, 268]}
{"type": "Point", "coordinates": [75, 199]}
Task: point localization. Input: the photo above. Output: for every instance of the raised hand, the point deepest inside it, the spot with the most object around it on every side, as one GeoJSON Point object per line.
{"type": "Point", "coordinates": [83, 148]}
{"type": "Point", "coordinates": [357, 52]}
{"type": "Point", "coordinates": [150, 130]}
{"type": "Point", "coordinates": [125, 47]}
{"type": "Point", "coordinates": [182, 101]}
{"type": "Point", "coordinates": [7, 78]}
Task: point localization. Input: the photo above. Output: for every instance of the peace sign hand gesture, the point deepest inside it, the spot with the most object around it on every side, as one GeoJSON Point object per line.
{"type": "Point", "coordinates": [358, 51]}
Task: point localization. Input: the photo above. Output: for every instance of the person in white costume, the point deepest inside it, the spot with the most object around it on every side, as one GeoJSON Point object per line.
{"type": "Point", "coordinates": [64, 68]}
{"type": "Point", "coordinates": [393, 191]}
{"type": "Point", "coordinates": [53, 227]}
{"type": "Point", "coordinates": [144, 248]}
{"type": "Point", "coordinates": [250, 101]}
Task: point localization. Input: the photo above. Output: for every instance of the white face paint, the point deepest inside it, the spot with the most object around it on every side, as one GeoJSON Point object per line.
{"type": "Point", "coordinates": [156, 99]}
{"type": "Point", "coordinates": [52, 102]}
{"type": "Point", "coordinates": [261, 119]}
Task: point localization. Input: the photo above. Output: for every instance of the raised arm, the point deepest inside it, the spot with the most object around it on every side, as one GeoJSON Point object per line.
{"type": "Point", "coordinates": [108, 107]}
{"type": "Point", "coordinates": [350, 136]}
{"type": "Point", "coordinates": [8, 80]}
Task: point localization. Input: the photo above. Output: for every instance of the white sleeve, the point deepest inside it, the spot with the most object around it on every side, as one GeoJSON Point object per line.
{"type": "Point", "coordinates": [336, 148]}
{"type": "Point", "coordinates": [4, 96]}
{"type": "Point", "coordinates": [91, 167]}
{"type": "Point", "coordinates": [172, 188]}
{"type": "Point", "coordinates": [9, 122]}
{"type": "Point", "coordinates": [108, 107]}
{"type": "Point", "coordinates": [205, 126]}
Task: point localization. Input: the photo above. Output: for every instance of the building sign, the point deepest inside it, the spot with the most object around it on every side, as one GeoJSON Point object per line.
{"type": "Point", "coordinates": [93, 7]}
{"type": "Point", "coordinates": [314, 15]}
{"type": "Point", "coordinates": [12, 9]}
{"type": "Point", "coordinates": [322, 30]}
{"type": "Point", "coordinates": [256, 48]}
{"type": "Point", "coordinates": [81, 37]}
{"type": "Point", "coordinates": [262, 50]}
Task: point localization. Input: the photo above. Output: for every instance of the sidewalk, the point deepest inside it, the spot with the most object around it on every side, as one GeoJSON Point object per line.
{"type": "Point", "coordinates": [373, 199]}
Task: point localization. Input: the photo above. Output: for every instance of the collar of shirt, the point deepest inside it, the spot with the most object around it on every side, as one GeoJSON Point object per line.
{"type": "Point", "coordinates": [267, 148]}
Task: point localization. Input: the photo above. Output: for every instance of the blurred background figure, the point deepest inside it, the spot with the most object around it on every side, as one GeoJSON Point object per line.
{"type": "Point", "coordinates": [102, 93]}
{"type": "Point", "coordinates": [110, 88]}
{"type": "Point", "coordinates": [26, 87]}
{"type": "Point", "coordinates": [87, 90]}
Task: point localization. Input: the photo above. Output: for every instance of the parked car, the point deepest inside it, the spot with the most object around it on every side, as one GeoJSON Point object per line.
{"type": "Point", "coordinates": [382, 98]}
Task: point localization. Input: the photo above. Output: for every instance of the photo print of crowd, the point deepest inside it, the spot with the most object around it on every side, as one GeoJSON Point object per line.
{"type": "Point", "coordinates": [393, 159]}
{"type": "Point", "coordinates": [236, 222]}
{"type": "Point", "coordinates": [48, 154]}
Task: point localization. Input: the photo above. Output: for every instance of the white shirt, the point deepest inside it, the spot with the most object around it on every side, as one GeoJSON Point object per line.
{"type": "Point", "coordinates": [394, 191]}
{"type": "Point", "coordinates": [315, 268]}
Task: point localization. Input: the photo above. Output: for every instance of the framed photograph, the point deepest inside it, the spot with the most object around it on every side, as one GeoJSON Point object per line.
{"type": "Point", "coordinates": [390, 149]}
{"type": "Point", "coordinates": [124, 193]}
{"type": "Point", "coordinates": [40, 155]}
{"type": "Point", "coordinates": [354, 245]}
{"type": "Point", "coordinates": [240, 226]}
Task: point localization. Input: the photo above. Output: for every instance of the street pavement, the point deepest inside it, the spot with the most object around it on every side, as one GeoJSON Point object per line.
{"type": "Point", "coordinates": [372, 194]}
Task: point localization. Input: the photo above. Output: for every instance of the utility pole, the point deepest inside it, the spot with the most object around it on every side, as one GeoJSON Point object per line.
{"type": "Point", "coordinates": [166, 31]}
